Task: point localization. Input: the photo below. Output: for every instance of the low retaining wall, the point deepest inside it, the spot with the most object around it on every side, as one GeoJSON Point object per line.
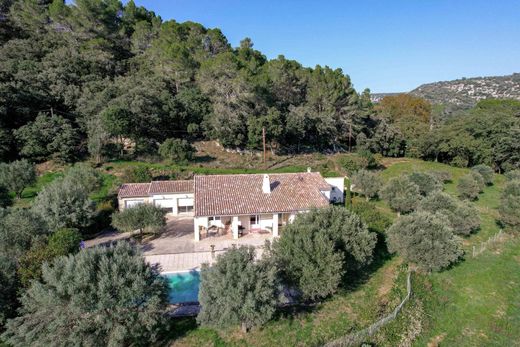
{"type": "Point", "coordinates": [357, 338]}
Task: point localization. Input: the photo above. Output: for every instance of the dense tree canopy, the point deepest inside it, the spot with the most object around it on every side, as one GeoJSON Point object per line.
{"type": "Point", "coordinates": [237, 290]}
{"type": "Point", "coordinates": [425, 239]}
{"type": "Point", "coordinates": [402, 194]}
{"type": "Point", "coordinates": [114, 297]}
{"type": "Point", "coordinates": [316, 250]}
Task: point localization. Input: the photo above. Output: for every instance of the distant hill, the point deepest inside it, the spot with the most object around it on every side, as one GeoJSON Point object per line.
{"type": "Point", "coordinates": [466, 92]}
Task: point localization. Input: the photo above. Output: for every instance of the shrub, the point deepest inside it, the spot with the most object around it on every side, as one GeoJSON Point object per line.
{"type": "Point", "coordinates": [468, 187]}
{"type": "Point", "coordinates": [513, 175]}
{"type": "Point", "coordinates": [65, 204]}
{"type": "Point", "coordinates": [402, 194]}
{"type": "Point", "coordinates": [426, 182]}
{"type": "Point", "coordinates": [463, 217]}
{"type": "Point", "coordinates": [367, 182]}
{"type": "Point", "coordinates": [486, 172]}
{"type": "Point", "coordinates": [177, 150]}
{"type": "Point", "coordinates": [509, 207]}
{"type": "Point", "coordinates": [367, 159]}
{"type": "Point", "coordinates": [64, 241]}
{"type": "Point", "coordinates": [138, 174]}
{"type": "Point", "coordinates": [373, 218]}
{"type": "Point", "coordinates": [143, 217]}
{"type": "Point", "coordinates": [237, 290]}
{"type": "Point", "coordinates": [350, 164]}
{"type": "Point", "coordinates": [319, 246]}
{"type": "Point", "coordinates": [425, 239]}
{"type": "Point", "coordinates": [17, 175]}
{"type": "Point", "coordinates": [442, 176]}
{"type": "Point", "coordinates": [111, 294]}
{"type": "Point", "coordinates": [479, 179]}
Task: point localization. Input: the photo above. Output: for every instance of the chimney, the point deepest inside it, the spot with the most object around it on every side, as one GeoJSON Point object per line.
{"type": "Point", "coordinates": [309, 169]}
{"type": "Point", "coordinates": [266, 185]}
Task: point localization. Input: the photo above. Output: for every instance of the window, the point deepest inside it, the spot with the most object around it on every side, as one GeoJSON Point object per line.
{"type": "Point", "coordinates": [185, 209]}
{"type": "Point", "coordinates": [254, 219]}
{"type": "Point", "coordinates": [214, 218]}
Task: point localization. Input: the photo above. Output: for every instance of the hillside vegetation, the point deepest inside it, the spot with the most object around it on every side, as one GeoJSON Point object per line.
{"type": "Point", "coordinates": [467, 92]}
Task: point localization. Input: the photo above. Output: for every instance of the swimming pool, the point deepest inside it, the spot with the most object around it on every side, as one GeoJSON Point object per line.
{"type": "Point", "coordinates": [184, 286]}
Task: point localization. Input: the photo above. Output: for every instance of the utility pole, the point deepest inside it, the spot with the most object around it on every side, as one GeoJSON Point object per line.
{"type": "Point", "coordinates": [263, 140]}
{"type": "Point", "coordinates": [350, 137]}
{"type": "Point", "coordinates": [52, 112]}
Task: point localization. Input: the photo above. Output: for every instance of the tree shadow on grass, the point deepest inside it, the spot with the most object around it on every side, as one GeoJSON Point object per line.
{"type": "Point", "coordinates": [204, 159]}
{"type": "Point", "coordinates": [354, 278]}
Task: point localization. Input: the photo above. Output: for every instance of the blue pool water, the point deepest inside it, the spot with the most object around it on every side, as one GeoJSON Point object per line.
{"type": "Point", "coordinates": [184, 286]}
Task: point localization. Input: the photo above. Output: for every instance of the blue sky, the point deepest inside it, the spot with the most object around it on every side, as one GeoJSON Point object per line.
{"type": "Point", "coordinates": [388, 46]}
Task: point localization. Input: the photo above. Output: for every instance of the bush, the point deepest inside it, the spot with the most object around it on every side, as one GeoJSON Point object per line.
{"type": "Point", "coordinates": [319, 246]}
{"type": "Point", "coordinates": [425, 239]}
{"type": "Point", "coordinates": [479, 179]}
{"type": "Point", "coordinates": [143, 217]}
{"type": "Point", "coordinates": [17, 175]}
{"type": "Point", "coordinates": [367, 159]}
{"type": "Point", "coordinates": [513, 175]}
{"type": "Point", "coordinates": [177, 150]}
{"type": "Point", "coordinates": [367, 183]}
{"type": "Point", "coordinates": [442, 176]}
{"type": "Point", "coordinates": [463, 217]}
{"type": "Point", "coordinates": [138, 174]}
{"type": "Point", "coordinates": [350, 164]}
{"type": "Point", "coordinates": [468, 187]}
{"type": "Point", "coordinates": [486, 172]}
{"type": "Point", "coordinates": [402, 194]}
{"type": "Point", "coordinates": [373, 218]}
{"type": "Point", "coordinates": [64, 241]}
{"type": "Point", "coordinates": [237, 290]}
{"type": "Point", "coordinates": [509, 207]}
{"type": "Point", "coordinates": [426, 182]}
{"type": "Point", "coordinates": [113, 297]}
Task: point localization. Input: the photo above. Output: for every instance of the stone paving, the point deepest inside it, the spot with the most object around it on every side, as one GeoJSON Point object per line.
{"type": "Point", "coordinates": [176, 250]}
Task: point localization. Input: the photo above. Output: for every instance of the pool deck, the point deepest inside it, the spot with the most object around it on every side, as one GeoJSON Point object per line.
{"type": "Point", "coordinates": [179, 262]}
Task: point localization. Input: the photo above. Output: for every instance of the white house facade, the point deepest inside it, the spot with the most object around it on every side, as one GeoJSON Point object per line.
{"type": "Point", "coordinates": [235, 205]}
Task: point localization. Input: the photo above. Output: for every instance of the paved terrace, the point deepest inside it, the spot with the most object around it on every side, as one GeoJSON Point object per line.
{"type": "Point", "coordinates": [176, 249]}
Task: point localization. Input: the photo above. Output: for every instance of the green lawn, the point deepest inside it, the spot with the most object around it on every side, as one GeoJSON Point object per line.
{"type": "Point", "coordinates": [30, 192]}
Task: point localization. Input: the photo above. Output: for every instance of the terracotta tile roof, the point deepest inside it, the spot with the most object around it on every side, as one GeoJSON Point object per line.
{"type": "Point", "coordinates": [171, 187]}
{"type": "Point", "coordinates": [242, 194]}
{"type": "Point", "coordinates": [129, 190]}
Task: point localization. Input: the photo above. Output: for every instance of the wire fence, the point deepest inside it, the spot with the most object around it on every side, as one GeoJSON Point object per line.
{"type": "Point", "coordinates": [357, 338]}
{"type": "Point", "coordinates": [477, 250]}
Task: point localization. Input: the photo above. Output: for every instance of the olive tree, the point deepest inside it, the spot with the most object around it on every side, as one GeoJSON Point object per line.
{"type": "Point", "coordinates": [319, 247]}
{"type": "Point", "coordinates": [486, 172]}
{"type": "Point", "coordinates": [513, 175]}
{"type": "Point", "coordinates": [426, 182]}
{"type": "Point", "coordinates": [479, 179]}
{"type": "Point", "coordinates": [65, 204]}
{"type": "Point", "coordinates": [367, 183]}
{"type": "Point", "coordinates": [103, 296]}
{"type": "Point", "coordinates": [19, 229]}
{"type": "Point", "coordinates": [85, 176]}
{"type": "Point", "coordinates": [463, 217]}
{"type": "Point", "coordinates": [509, 207]}
{"type": "Point", "coordinates": [9, 285]}
{"type": "Point", "coordinates": [143, 217]}
{"type": "Point", "coordinates": [468, 188]}
{"type": "Point", "coordinates": [236, 290]}
{"type": "Point", "coordinates": [425, 239]}
{"type": "Point", "coordinates": [402, 194]}
{"type": "Point", "coordinates": [16, 176]}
